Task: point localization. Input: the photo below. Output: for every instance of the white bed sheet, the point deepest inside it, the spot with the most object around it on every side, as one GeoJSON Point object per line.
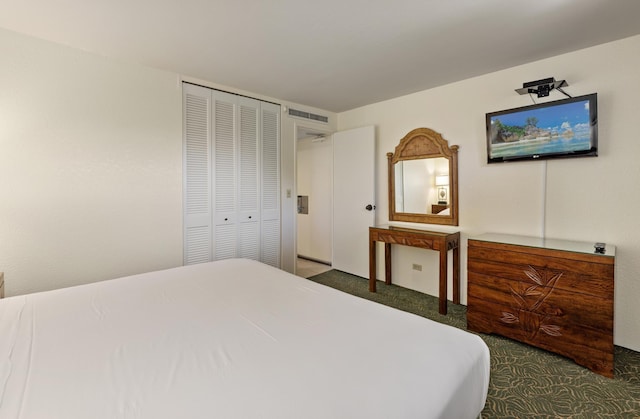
{"type": "Point", "coordinates": [230, 339]}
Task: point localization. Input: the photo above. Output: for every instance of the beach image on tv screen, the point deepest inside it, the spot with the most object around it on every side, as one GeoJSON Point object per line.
{"type": "Point", "coordinates": [548, 130]}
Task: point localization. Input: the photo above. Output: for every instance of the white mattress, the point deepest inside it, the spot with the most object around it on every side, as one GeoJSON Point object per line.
{"type": "Point", "coordinates": [230, 339]}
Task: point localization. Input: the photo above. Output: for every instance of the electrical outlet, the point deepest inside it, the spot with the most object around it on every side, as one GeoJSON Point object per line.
{"type": "Point", "coordinates": [417, 267]}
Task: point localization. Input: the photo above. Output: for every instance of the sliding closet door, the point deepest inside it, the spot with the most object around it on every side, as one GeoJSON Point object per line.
{"type": "Point", "coordinates": [232, 177]}
{"type": "Point", "coordinates": [270, 248]}
{"type": "Point", "coordinates": [224, 116]}
{"type": "Point", "coordinates": [248, 174]}
{"type": "Point", "coordinates": [196, 183]}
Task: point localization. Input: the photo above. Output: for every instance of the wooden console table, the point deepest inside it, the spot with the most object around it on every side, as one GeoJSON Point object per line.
{"type": "Point", "coordinates": [441, 242]}
{"type": "Point", "coordinates": [553, 294]}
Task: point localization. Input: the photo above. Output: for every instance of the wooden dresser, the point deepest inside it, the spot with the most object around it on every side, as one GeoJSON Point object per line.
{"type": "Point", "coordinates": [553, 294]}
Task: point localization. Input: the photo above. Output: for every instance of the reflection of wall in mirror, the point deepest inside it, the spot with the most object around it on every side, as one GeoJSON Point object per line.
{"type": "Point", "coordinates": [417, 193]}
{"type": "Point", "coordinates": [399, 190]}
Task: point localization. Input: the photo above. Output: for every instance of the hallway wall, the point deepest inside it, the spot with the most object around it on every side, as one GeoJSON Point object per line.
{"type": "Point", "coordinates": [314, 179]}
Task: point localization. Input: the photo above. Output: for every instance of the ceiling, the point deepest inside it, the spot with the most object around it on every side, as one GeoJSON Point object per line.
{"type": "Point", "coordinates": [335, 55]}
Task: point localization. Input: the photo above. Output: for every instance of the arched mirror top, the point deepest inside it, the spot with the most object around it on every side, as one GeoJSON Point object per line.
{"type": "Point", "coordinates": [423, 143]}
{"type": "Point", "coordinates": [423, 179]}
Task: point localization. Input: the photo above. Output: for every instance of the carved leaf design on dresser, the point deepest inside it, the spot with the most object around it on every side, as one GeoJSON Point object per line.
{"type": "Point", "coordinates": [529, 311]}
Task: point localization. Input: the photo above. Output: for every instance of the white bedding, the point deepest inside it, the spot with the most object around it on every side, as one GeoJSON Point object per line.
{"type": "Point", "coordinates": [230, 339]}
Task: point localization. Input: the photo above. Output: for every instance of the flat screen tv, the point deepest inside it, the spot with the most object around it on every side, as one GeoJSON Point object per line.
{"type": "Point", "coordinates": [559, 129]}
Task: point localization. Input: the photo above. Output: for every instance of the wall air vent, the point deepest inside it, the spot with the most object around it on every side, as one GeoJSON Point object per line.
{"type": "Point", "coordinates": [308, 115]}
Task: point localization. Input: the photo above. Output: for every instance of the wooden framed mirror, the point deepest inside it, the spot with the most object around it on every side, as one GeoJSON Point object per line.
{"type": "Point", "coordinates": [423, 179]}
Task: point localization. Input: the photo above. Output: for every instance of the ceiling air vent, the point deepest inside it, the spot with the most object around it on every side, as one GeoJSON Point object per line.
{"type": "Point", "coordinates": [308, 115]}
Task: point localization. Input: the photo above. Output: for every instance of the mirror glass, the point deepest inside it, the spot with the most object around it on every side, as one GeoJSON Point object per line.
{"type": "Point", "coordinates": [423, 179]}
{"type": "Point", "coordinates": [422, 185]}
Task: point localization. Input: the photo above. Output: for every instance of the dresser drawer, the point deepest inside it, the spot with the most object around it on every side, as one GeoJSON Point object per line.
{"type": "Point", "coordinates": [577, 276]}
{"type": "Point", "coordinates": [406, 240]}
{"type": "Point", "coordinates": [554, 303]}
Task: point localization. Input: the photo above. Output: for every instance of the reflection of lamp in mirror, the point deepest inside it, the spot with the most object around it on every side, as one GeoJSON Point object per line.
{"type": "Point", "coordinates": [442, 181]}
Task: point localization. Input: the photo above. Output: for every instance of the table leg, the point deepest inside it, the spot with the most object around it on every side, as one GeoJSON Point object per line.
{"type": "Point", "coordinates": [372, 266]}
{"type": "Point", "coordinates": [387, 263]}
{"type": "Point", "coordinates": [456, 275]}
{"type": "Point", "coordinates": [443, 281]}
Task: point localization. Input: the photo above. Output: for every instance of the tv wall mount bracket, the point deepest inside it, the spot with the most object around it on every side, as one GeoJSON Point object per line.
{"type": "Point", "coordinates": [543, 87]}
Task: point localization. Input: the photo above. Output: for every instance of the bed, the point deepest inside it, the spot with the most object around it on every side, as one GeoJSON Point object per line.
{"type": "Point", "coordinates": [230, 339]}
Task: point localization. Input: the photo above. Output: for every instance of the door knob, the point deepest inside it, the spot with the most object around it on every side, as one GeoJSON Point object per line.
{"type": "Point", "coordinates": [370, 207]}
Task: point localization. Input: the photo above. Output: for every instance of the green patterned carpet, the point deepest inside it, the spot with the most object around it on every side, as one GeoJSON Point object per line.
{"type": "Point", "coordinates": [526, 382]}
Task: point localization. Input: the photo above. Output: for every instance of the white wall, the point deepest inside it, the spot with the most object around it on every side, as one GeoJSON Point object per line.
{"type": "Point", "coordinates": [589, 199]}
{"type": "Point", "coordinates": [91, 166]}
{"type": "Point", "coordinates": [315, 180]}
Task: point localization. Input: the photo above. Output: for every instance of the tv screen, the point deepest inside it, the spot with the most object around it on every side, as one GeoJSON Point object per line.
{"type": "Point", "coordinates": [559, 129]}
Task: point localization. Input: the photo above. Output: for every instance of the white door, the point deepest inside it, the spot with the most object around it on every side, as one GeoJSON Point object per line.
{"type": "Point", "coordinates": [197, 174]}
{"type": "Point", "coordinates": [248, 175]}
{"type": "Point", "coordinates": [225, 151]}
{"type": "Point", "coordinates": [270, 187]}
{"type": "Point", "coordinates": [353, 199]}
